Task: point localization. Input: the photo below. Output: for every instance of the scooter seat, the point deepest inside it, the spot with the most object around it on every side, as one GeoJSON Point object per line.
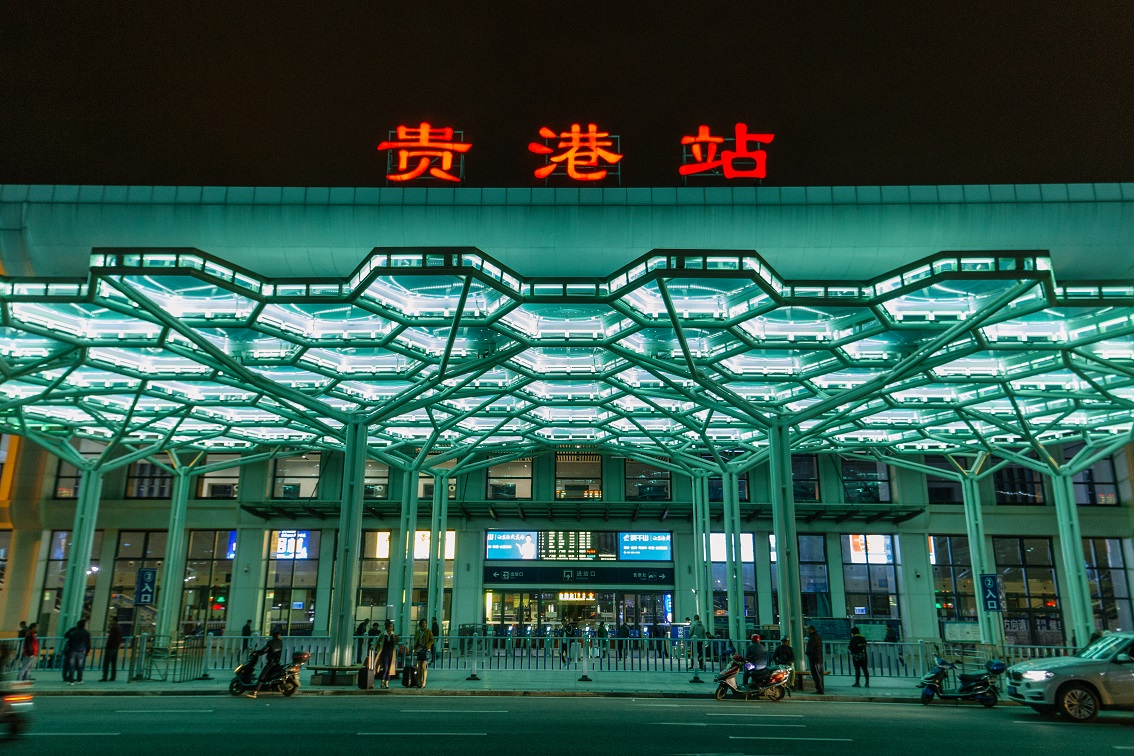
{"type": "Point", "coordinates": [971, 677]}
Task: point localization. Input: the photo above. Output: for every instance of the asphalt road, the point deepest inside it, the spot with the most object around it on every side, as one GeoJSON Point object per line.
{"type": "Point", "coordinates": [404, 723]}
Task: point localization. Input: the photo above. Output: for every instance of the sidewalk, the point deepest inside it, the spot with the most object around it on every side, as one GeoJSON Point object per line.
{"type": "Point", "coordinates": [504, 683]}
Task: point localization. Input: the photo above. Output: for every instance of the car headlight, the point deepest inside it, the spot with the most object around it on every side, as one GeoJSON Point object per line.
{"type": "Point", "coordinates": [1038, 675]}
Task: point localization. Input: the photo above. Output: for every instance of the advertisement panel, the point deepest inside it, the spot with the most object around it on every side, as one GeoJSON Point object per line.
{"type": "Point", "coordinates": [645, 547]}
{"type": "Point", "coordinates": [511, 544]}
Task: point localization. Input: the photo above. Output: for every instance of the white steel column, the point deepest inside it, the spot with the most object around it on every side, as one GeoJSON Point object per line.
{"type": "Point", "coordinates": [787, 540]}
{"type": "Point", "coordinates": [706, 566]}
{"type": "Point", "coordinates": [982, 564]}
{"type": "Point", "coordinates": [733, 555]}
{"type": "Point", "coordinates": [436, 590]}
{"type": "Point", "coordinates": [1078, 598]}
{"type": "Point", "coordinates": [173, 568]}
{"type": "Point", "coordinates": [404, 549]}
{"type": "Point", "coordinates": [344, 596]}
{"type": "Point", "coordinates": [699, 552]}
{"type": "Point", "coordinates": [82, 540]}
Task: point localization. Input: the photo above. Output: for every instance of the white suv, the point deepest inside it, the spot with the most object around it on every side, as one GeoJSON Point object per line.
{"type": "Point", "coordinates": [1098, 677]}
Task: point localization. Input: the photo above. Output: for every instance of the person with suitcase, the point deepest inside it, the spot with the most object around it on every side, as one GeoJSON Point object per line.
{"type": "Point", "coordinates": [386, 651]}
{"type": "Point", "coordinates": [366, 674]}
{"type": "Point", "coordinates": [422, 643]}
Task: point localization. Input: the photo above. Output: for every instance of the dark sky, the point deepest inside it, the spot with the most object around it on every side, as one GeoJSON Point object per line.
{"type": "Point", "coordinates": [856, 93]}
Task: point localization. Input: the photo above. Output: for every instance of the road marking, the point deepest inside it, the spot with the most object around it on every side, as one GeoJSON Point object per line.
{"type": "Point", "coordinates": [70, 734]}
{"type": "Point", "coordinates": [1040, 722]}
{"type": "Point", "coordinates": [772, 737]}
{"type": "Point", "coordinates": [790, 716]}
{"type": "Point", "coordinates": [454, 711]}
{"type": "Point", "coordinates": [163, 711]}
{"type": "Point", "coordinates": [454, 734]}
{"type": "Point", "coordinates": [1124, 748]}
{"type": "Point", "coordinates": [728, 724]}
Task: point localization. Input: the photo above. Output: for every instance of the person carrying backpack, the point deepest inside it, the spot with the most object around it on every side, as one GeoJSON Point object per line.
{"type": "Point", "coordinates": [857, 648]}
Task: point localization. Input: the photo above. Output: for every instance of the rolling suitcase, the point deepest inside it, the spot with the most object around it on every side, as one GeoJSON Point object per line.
{"type": "Point", "coordinates": [409, 676]}
{"type": "Point", "coordinates": [366, 674]}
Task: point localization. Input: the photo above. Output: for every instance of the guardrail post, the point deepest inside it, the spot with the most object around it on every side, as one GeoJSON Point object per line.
{"type": "Point", "coordinates": [586, 651]}
{"type": "Point", "coordinates": [475, 645]}
{"type": "Point", "coordinates": [208, 657]}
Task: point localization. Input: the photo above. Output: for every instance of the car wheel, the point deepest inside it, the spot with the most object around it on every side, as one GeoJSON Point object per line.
{"type": "Point", "coordinates": [775, 694]}
{"type": "Point", "coordinates": [236, 687]}
{"type": "Point", "coordinates": [1079, 702]}
{"type": "Point", "coordinates": [721, 692]}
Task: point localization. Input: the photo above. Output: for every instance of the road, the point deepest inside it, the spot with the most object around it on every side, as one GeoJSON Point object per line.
{"type": "Point", "coordinates": [409, 723]}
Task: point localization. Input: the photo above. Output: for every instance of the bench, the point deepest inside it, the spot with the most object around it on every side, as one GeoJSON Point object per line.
{"type": "Point", "coordinates": [335, 676]}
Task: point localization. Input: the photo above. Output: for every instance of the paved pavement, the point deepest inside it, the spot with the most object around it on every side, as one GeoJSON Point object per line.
{"type": "Point", "coordinates": [503, 683]}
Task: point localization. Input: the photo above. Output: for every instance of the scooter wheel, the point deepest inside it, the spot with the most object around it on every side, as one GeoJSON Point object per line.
{"type": "Point", "coordinates": [236, 687]}
{"type": "Point", "coordinates": [775, 694]}
{"type": "Point", "coordinates": [926, 696]}
{"type": "Point", "coordinates": [988, 701]}
{"type": "Point", "coordinates": [721, 692]}
{"type": "Point", "coordinates": [289, 688]}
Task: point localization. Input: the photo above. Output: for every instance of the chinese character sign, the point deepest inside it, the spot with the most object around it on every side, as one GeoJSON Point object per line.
{"type": "Point", "coordinates": [580, 155]}
{"type": "Point", "coordinates": [705, 154]}
{"type": "Point", "coordinates": [432, 149]}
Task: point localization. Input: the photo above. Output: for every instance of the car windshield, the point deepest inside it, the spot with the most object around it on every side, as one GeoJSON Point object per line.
{"type": "Point", "coordinates": [1104, 648]}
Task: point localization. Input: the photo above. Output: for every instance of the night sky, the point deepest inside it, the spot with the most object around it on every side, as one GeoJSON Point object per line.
{"type": "Point", "coordinates": [301, 94]}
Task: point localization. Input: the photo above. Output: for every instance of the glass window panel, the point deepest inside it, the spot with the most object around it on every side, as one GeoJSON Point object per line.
{"type": "Point", "coordinates": [1037, 551]}
{"type": "Point", "coordinates": [1007, 551]}
{"type": "Point", "coordinates": [131, 544]}
{"type": "Point", "coordinates": [882, 578]}
{"type": "Point", "coordinates": [813, 578]}
{"type": "Point", "coordinates": [856, 577]}
{"type": "Point", "coordinates": [812, 548]}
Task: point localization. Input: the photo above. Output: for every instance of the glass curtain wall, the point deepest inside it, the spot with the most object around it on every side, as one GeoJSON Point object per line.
{"type": "Point", "coordinates": [866, 482]}
{"type": "Point", "coordinates": [137, 549]}
{"type": "Point", "coordinates": [1027, 571]}
{"type": "Point", "coordinates": [58, 552]}
{"type": "Point", "coordinates": [510, 480]}
{"type": "Point", "coordinates": [1015, 484]}
{"type": "Point", "coordinates": [942, 490]}
{"type": "Point", "coordinates": [145, 480]}
{"type": "Point", "coordinates": [815, 589]}
{"type": "Point", "coordinates": [219, 484]}
{"type": "Point", "coordinates": [208, 580]}
{"type": "Point", "coordinates": [954, 585]}
{"type": "Point", "coordinates": [290, 581]}
{"type": "Point", "coordinates": [297, 477]}
{"type": "Point", "coordinates": [578, 476]}
{"type": "Point", "coordinates": [646, 483]}
{"type": "Point", "coordinates": [720, 574]}
{"type": "Point", "coordinates": [870, 576]}
{"type": "Point", "coordinates": [1110, 583]}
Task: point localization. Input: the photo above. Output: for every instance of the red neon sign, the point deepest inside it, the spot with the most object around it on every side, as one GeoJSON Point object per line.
{"type": "Point", "coordinates": [703, 148]}
{"type": "Point", "coordinates": [433, 148]}
{"type": "Point", "coordinates": [582, 152]}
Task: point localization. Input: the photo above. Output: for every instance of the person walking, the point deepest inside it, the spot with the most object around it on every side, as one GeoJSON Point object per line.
{"type": "Point", "coordinates": [436, 630]}
{"type": "Point", "coordinates": [422, 642]}
{"type": "Point", "coordinates": [385, 667]}
{"type": "Point", "coordinates": [110, 653]}
{"type": "Point", "coordinates": [857, 648]}
{"type": "Point", "coordinates": [77, 644]}
{"type": "Point", "coordinates": [29, 652]}
{"type": "Point", "coordinates": [814, 653]}
{"type": "Point", "coordinates": [697, 634]}
{"type": "Point", "coordinates": [246, 637]}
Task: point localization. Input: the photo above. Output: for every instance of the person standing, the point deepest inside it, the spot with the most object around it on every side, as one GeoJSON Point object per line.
{"type": "Point", "coordinates": [359, 642]}
{"type": "Point", "coordinates": [603, 639]}
{"type": "Point", "coordinates": [372, 637]}
{"type": "Point", "coordinates": [814, 654]}
{"type": "Point", "coordinates": [422, 642]}
{"type": "Point", "coordinates": [623, 639]}
{"type": "Point", "coordinates": [246, 636]}
{"type": "Point", "coordinates": [78, 643]}
{"type": "Point", "coordinates": [29, 652]}
{"type": "Point", "coordinates": [697, 634]}
{"type": "Point", "coordinates": [436, 630]}
{"type": "Point", "coordinates": [110, 654]}
{"type": "Point", "coordinates": [784, 653]}
{"type": "Point", "coordinates": [857, 648]}
{"type": "Point", "coordinates": [385, 666]}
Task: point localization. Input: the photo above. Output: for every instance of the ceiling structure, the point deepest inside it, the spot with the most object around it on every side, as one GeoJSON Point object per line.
{"type": "Point", "coordinates": [682, 357]}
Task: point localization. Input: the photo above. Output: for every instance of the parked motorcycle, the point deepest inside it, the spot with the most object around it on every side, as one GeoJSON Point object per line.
{"type": "Point", "coordinates": [16, 708]}
{"type": "Point", "coordinates": [284, 680]}
{"type": "Point", "coordinates": [770, 683]}
{"type": "Point", "coordinates": [977, 686]}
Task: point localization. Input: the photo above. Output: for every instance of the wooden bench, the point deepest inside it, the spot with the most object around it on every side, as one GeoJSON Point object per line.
{"type": "Point", "coordinates": [335, 676]}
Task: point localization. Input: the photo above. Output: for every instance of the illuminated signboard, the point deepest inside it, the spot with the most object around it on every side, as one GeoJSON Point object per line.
{"type": "Point", "coordinates": [705, 154]}
{"type": "Point", "coordinates": [871, 549]}
{"type": "Point", "coordinates": [433, 149]}
{"type": "Point", "coordinates": [577, 545]}
{"type": "Point", "coordinates": [511, 544]}
{"type": "Point", "coordinates": [580, 152]}
{"type": "Point", "coordinates": [645, 547]}
{"type": "Point", "coordinates": [576, 596]}
{"type": "Point", "coordinates": [292, 544]}
{"type": "Point", "coordinates": [230, 552]}
{"type": "Point", "coordinates": [421, 544]}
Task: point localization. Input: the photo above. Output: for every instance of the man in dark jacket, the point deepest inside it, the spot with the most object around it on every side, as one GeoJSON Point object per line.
{"type": "Point", "coordinates": [756, 660]}
{"type": "Point", "coordinates": [273, 652]}
{"type": "Point", "coordinates": [784, 653]}
{"type": "Point", "coordinates": [110, 655]}
{"type": "Point", "coordinates": [246, 636]}
{"type": "Point", "coordinates": [77, 642]}
{"type": "Point", "coordinates": [814, 653]}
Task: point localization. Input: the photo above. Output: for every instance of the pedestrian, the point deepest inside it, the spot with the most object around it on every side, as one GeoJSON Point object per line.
{"type": "Point", "coordinates": [246, 636]}
{"type": "Point", "coordinates": [273, 653]}
{"type": "Point", "coordinates": [386, 667]}
{"type": "Point", "coordinates": [29, 652]}
{"type": "Point", "coordinates": [17, 656]}
{"type": "Point", "coordinates": [814, 653]}
{"type": "Point", "coordinates": [784, 653]}
{"type": "Point", "coordinates": [603, 636]}
{"type": "Point", "coordinates": [372, 636]}
{"type": "Point", "coordinates": [891, 636]}
{"type": "Point", "coordinates": [360, 641]}
{"type": "Point", "coordinates": [755, 660]}
{"type": "Point", "coordinates": [110, 653]}
{"type": "Point", "coordinates": [697, 634]}
{"type": "Point", "coordinates": [623, 639]}
{"type": "Point", "coordinates": [857, 648]}
{"type": "Point", "coordinates": [436, 630]}
{"type": "Point", "coordinates": [422, 642]}
{"type": "Point", "coordinates": [77, 642]}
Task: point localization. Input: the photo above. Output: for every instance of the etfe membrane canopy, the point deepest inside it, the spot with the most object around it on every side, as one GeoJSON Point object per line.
{"type": "Point", "coordinates": [682, 355]}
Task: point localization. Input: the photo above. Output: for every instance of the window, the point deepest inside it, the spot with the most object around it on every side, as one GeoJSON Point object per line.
{"type": "Point", "coordinates": [145, 480]}
{"type": "Point", "coordinates": [374, 575]}
{"type": "Point", "coordinates": [297, 477]}
{"type": "Point", "coordinates": [805, 478]}
{"type": "Point", "coordinates": [290, 581]}
{"type": "Point", "coordinates": [646, 483]}
{"type": "Point", "coordinates": [137, 549]}
{"type": "Point", "coordinates": [942, 490]}
{"type": "Point", "coordinates": [219, 484]}
{"type": "Point", "coordinates": [58, 552]}
{"type": "Point", "coordinates": [866, 482]}
{"type": "Point", "coordinates": [5, 547]}
{"type": "Point", "coordinates": [869, 576]}
{"type": "Point", "coordinates": [578, 476]}
{"type": "Point", "coordinates": [425, 482]}
{"type": "Point", "coordinates": [717, 556]}
{"type": "Point", "coordinates": [207, 581]}
{"type": "Point", "coordinates": [4, 437]}
{"type": "Point", "coordinates": [376, 480]}
{"type": "Point", "coordinates": [814, 588]}
{"type": "Point", "coordinates": [954, 587]}
{"type": "Point", "coordinates": [1110, 584]}
{"type": "Point", "coordinates": [67, 475]}
{"type": "Point", "coordinates": [1015, 484]}
{"type": "Point", "coordinates": [510, 480]}
{"type": "Point", "coordinates": [421, 545]}
{"type": "Point", "coordinates": [1096, 486]}
{"type": "Point", "coordinates": [1027, 572]}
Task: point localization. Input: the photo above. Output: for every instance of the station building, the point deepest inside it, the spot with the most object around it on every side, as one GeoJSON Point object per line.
{"type": "Point", "coordinates": [529, 408]}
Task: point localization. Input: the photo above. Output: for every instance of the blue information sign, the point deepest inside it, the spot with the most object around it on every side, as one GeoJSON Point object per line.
{"type": "Point", "coordinates": [645, 547]}
{"type": "Point", "coordinates": [990, 593]}
{"type": "Point", "coordinates": [146, 587]}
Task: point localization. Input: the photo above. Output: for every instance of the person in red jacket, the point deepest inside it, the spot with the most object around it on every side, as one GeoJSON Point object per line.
{"type": "Point", "coordinates": [29, 653]}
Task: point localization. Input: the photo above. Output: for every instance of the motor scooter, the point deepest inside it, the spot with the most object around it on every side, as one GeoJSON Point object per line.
{"type": "Point", "coordinates": [15, 708]}
{"type": "Point", "coordinates": [981, 687]}
{"type": "Point", "coordinates": [770, 683]}
{"type": "Point", "coordinates": [284, 680]}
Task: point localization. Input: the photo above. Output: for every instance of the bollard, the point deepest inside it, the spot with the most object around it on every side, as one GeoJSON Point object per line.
{"type": "Point", "coordinates": [586, 652]}
{"type": "Point", "coordinates": [208, 657]}
{"type": "Point", "coordinates": [475, 653]}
